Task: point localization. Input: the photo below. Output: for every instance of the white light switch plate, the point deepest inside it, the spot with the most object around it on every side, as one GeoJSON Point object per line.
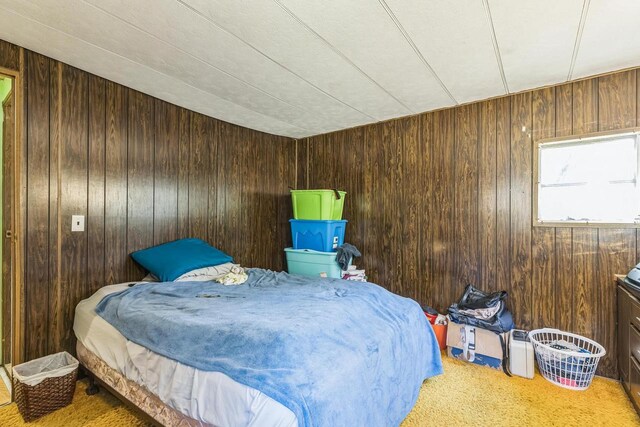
{"type": "Point", "coordinates": [77, 222]}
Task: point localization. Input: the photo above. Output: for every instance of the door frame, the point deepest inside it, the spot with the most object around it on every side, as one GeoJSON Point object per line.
{"type": "Point", "coordinates": [18, 235]}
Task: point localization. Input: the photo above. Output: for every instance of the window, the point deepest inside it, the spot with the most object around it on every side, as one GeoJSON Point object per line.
{"type": "Point", "coordinates": [591, 180]}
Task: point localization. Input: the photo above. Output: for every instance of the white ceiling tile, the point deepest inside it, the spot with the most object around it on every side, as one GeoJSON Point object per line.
{"type": "Point", "coordinates": [536, 39]}
{"type": "Point", "coordinates": [270, 29]}
{"type": "Point", "coordinates": [364, 32]}
{"type": "Point", "coordinates": [610, 39]}
{"type": "Point", "coordinates": [455, 38]}
{"type": "Point", "coordinates": [190, 32]}
{"type": "Point", "coordinates": [30, 34]}
{"type": "Point", "coordinates": [106, 31]}
{"type": "Point", "coordinates": [299, 68]}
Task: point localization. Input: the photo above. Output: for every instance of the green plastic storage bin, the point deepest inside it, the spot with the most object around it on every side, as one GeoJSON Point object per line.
{"type": "Point", "coordinates": [317, 204]}
{"type": "Point", "coordinates": [307, 262]}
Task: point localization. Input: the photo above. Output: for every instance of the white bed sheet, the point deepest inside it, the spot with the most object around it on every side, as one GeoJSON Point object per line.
{"type": "Point", "coordinates": [210, 397]}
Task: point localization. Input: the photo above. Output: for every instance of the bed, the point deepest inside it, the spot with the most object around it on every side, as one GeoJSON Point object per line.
{"type": "Point", "coordinates": [378, 350]}
{"type": "Point", "coordinates": [170, 392]}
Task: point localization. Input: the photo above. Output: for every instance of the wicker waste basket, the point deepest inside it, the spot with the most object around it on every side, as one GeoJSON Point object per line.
{"type": "Point", "coordinates": [44, 385]}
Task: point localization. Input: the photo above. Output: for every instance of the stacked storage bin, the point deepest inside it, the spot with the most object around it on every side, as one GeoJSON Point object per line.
{"type": "Point", "coordinates": [317, 230]}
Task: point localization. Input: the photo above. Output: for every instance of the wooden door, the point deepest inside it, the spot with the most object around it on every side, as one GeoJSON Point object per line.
{"type": "Point", "coordinates": [8, 141]}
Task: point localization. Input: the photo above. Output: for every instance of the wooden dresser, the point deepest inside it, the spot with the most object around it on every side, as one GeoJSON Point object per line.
{"type": "Point", "coordinates": [629, 340]}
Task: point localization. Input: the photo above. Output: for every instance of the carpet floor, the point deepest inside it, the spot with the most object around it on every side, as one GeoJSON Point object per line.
{"type": "Point", "coordinates": [466, 395]}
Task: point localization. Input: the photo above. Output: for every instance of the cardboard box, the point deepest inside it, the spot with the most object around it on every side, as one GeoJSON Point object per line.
{"type": "Point", "coordinates": [488, 348]}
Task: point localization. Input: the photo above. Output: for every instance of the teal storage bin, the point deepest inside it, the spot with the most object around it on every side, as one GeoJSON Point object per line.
{"type": "Point", "coordinates": [317, 204]}
{"type": "Point", "coordinates": [307, 262]}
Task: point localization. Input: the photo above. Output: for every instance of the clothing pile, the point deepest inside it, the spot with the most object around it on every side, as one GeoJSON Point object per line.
{"type": "Point", "coordinates": [352, 273]}
{"type": "Point", "coordinates": [569, 370]}
{"type": "Point", "coordinates": [344, 256]}
{"type": "Point", "coordinates": [236, 276]}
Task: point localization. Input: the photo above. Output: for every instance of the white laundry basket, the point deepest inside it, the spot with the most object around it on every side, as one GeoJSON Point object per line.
{"type": "Point", "coordinates": [565, 359]}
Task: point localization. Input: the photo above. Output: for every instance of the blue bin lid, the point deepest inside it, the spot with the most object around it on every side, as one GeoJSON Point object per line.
{"type": "Point", "coordinates": [309, 251]}
{"type": "Point", "coordinates": [324, 221]}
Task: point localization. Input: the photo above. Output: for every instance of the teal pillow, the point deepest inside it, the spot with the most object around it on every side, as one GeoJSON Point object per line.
{"type": "Point", "coordinates": [171, 260]}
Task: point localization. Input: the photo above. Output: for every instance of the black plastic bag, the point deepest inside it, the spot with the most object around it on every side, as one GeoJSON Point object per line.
{"type": "Point", "coordinates": [475, 299]}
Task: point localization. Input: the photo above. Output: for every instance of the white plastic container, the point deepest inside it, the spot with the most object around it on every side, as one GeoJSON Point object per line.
{"type": "Point", "coordinates": [521, 359]}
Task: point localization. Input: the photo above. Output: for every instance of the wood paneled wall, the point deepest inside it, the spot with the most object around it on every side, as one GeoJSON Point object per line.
{"type": "Point", "coordinates": [442, 199]}
{"type": "Point", "coordinates": [435, 201]}
{"type": "Point", "coordinates": [143, 172]}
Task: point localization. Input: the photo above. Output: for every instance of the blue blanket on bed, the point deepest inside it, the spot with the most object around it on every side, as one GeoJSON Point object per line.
{"type": "Point", "coordinates": [336, 353]}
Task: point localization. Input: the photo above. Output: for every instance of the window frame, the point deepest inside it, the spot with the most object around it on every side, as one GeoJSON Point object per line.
{"type": "Point", "coordinates": [587, 138]}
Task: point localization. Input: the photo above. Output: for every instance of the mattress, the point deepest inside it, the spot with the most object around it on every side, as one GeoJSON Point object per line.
{"type": "Point", "coordinates": [209, 397]}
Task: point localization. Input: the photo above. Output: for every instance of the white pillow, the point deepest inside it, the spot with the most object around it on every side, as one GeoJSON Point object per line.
{"type": "Point", "coordinates": [149, 278]}
{"type": "Point", "coordinates": [206, 273]}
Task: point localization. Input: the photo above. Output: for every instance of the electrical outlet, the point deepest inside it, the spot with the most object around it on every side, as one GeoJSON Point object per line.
{"type": "Point", "coordinates": [77, 222]}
